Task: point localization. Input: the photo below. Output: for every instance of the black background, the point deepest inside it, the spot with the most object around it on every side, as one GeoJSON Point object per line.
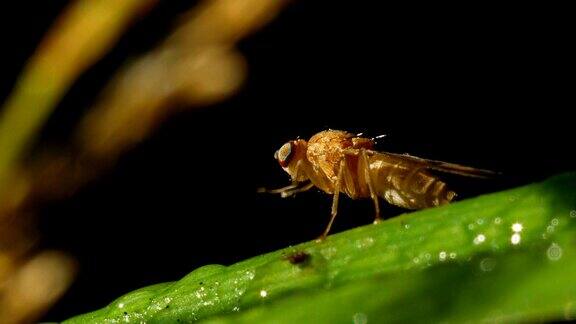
{"type": "Point", "coordinates": [490, 87]}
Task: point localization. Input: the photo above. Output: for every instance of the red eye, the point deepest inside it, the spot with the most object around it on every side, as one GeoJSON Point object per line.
{"type": "Point", "coordinates": [284, 154]}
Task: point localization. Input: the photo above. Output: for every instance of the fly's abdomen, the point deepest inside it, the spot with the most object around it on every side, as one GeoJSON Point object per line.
{"type": "Point", "coordinates": [428, 190]}
{"type": "Point", "coordinates": [408, 186]}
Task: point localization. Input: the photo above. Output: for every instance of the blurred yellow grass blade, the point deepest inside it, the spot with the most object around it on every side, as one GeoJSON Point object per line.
{"type": "Point", "coordinates": [35, 286]}
{"type": "Point", "coordinates": [197, 65]}
{"type": "Point", "coordinates": [86, 30]}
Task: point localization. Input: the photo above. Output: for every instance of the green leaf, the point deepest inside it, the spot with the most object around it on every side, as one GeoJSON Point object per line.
{"type": "Point", "coordinates": [508, 257]}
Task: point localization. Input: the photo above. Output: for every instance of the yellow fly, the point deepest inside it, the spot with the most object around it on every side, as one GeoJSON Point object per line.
{"type": "Point", "coordinates": [340, 162]}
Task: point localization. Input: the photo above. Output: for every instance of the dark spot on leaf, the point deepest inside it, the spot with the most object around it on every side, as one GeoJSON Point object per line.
{"type": "Point", "coordinates": [298, 258]}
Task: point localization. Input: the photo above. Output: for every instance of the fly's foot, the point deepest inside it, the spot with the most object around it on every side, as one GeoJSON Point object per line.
{"type": "Point", "coordinates": [320, 239]}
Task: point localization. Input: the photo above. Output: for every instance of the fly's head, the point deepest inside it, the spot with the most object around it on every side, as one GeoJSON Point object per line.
{"type": "Point", "coordinates": [291, 157]}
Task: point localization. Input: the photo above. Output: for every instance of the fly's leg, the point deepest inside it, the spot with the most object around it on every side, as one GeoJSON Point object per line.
{"type": "Point", "coordinates": [293, 185]}
{"type": "Point", "coordinates": [288, 191]}
{"type": "Point", "coordinates": [365, 165]}
{"type": "Point", "coordinates": [334, 200]}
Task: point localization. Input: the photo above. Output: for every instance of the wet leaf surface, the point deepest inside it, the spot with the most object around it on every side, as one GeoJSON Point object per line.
{"type": "Point", "coordinates": [507, 256]}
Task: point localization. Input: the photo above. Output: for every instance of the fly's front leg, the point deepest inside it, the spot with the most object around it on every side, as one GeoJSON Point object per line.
{"type": "Point", "coordinates": [293, 188]}
{"type": "Point", "coordinates": [289, 187]}
{"type": "Point", "coordinates": [334, 199]}
{"type": "Point", "coordinates": [365, 165]}
{"type": "Point", "coordinates": [291, 192]}
{"type": "Point", "coordinates": [288, 191]}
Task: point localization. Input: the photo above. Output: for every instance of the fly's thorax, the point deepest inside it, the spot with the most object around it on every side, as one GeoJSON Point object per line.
{"type": "Point", "coordinates": [326, 150]}
{"type": "Point", "coordinates": [331, 138]}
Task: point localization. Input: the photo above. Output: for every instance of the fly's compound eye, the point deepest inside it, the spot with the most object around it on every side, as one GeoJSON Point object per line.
{"type": "Point", "coordinates": [284, 154]}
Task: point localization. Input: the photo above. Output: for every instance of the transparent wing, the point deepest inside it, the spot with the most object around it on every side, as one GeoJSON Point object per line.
{"type": "Point", "coordinates": [439, 165]}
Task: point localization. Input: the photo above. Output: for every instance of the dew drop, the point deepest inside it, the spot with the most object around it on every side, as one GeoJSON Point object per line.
{"type": "Point", "coordinates": [554, 222]}
{"type": "Point", "coordinates": [263, 293]}
{"type": "Point", "coordinates": [515, 239]}
{"type": "Point", "coordinates": [364, 243]}
{"type": "Point", "coordinates": [239, 290]}
{"type": "Point", "coordinates": [573, 213]}
{"type": "Point", "coordinates": [554, 252]}
{"type": "Point", "coordinates": [360, 318]}
{"type": "Point", "coordinates": [497, 220]}
{"type": "Point", "coordinates": [442, 255]}
{"type": "Point", "coordinates": [517, 227]}
{"type": "Point", "coordinates": [250, 275]}
{"type": "Point", "coordinates": [452, 255]}
{"type": "Point", "coordinates": [479, 239]}
{"type": "Point", "coordinates": [329, 252]}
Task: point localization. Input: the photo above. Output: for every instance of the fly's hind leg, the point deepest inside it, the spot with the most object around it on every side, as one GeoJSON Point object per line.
{"type": "Point", "coordinates": [365, 165]}
{"type": "Point", "coordinates": [334, 200]}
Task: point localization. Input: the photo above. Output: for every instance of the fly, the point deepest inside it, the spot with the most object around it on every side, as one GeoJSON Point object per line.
{"type": "Point", "coordinates": [340, 162]}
